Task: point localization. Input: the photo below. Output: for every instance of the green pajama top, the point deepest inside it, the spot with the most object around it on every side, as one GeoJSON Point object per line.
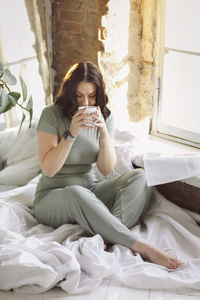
{"type": "Point", "coordinates": [77, 169]}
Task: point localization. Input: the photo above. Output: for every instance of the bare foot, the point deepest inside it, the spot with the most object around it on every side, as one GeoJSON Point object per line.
{"type": "Point", "coordinates": [154, 255]}
{"type": "Point", "coordinates": [105, 246]}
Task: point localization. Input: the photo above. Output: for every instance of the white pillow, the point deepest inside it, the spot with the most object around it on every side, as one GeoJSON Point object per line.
{"type": "Point", "coordinates": [6, 139]}
{"type": "Point", "coordinates": [16, 147]}
{"type": "Point", "coordinates": [21, 172]}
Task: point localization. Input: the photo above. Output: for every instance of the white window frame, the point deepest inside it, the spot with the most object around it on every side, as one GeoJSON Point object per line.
{"type": "Point", "coordinates": [157, 128]}
{"type": "Point", "coordinates": [11, 117]}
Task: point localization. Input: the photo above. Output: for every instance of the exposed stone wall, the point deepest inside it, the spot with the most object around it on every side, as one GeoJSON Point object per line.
{"type": "Point", "coordinates": [39, 13]}
{"type": "Point", "coordinates": [76, 28]}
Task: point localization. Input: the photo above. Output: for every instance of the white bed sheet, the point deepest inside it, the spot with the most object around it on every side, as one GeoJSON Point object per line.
{"type": "Point", "coordinates": [35, 258]}
{"type": "Point", "coordinates": [5, 188]}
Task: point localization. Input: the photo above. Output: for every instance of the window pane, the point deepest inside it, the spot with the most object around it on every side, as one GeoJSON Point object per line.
{"type": "Point", "coordinates": [182, 25]}
{"type": "Point", "coordinates": [16, 37]}
{"type": "Point", "coordinates": [180, 105]}
{"type": "Point", "coordinates": [29, 72]}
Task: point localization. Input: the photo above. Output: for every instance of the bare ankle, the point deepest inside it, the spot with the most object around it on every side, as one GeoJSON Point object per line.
{"type": "Point", "coordinates": [140, 247]}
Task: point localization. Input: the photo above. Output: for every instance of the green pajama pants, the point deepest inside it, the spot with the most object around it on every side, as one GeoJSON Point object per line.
{"type": "Point", "coordinates": [110, 208]}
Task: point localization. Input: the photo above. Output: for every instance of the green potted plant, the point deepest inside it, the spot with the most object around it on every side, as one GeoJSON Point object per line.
{"type": "Point", "coordinates": [10, 98]}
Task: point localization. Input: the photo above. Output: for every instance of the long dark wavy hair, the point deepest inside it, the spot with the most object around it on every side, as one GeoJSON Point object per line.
{"type": "Point", "coordinates": [66, 97]}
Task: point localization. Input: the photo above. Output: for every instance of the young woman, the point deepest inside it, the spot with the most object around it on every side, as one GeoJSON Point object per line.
{"type": "Point", "coordinates": [69, 144]}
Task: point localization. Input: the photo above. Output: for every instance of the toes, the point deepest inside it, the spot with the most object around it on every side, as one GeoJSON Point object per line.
{"type": "Point", "coordinates": [178, 263]}
{"type": "Point", "coordinates": [173, 264]}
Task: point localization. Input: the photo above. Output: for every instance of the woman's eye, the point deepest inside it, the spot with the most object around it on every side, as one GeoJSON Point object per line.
{"type": "Point", "coordinates": [90, 96]}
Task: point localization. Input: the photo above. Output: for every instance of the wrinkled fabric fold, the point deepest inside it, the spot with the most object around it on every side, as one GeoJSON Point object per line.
{"type": "Point", "coordinates": [35, 257]}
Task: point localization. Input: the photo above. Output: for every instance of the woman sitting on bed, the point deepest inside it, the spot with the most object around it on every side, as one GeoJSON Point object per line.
{"type": "Point", "coordinates": [69, 144]}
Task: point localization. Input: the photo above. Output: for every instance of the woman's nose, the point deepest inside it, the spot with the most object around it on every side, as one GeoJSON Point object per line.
{"type": "Point", "coordinates": [86, 102]}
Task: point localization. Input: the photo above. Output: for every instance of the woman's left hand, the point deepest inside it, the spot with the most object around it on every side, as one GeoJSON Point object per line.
{"type": "Point", "coordinates": [100, 122]}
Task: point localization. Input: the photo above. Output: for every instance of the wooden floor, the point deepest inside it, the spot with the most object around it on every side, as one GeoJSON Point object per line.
{"type": "Point", "coordinates": [109, 290]}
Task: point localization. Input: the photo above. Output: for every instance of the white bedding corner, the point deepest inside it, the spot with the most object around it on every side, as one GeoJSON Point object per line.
{"type": "Point", "coordinates": [35, 258]}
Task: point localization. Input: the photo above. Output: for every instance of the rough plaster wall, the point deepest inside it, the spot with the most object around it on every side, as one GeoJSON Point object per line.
{"type": "Point", "coordinates": [136, 101]}
{"type": "Point", "coordinates": [122, 52]}
{"type": "Point", "coordinates": [39, 15]}
{"type": "Point", "coordinates": [135, 61]}
{"type": "Point", "coordinates": [147, 85]}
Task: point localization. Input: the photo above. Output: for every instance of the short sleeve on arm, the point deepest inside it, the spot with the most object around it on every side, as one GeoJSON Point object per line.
{"type": "Point", "coordinates": [47, 122]}
{"type": "Point", "coordinates": [110, 126]}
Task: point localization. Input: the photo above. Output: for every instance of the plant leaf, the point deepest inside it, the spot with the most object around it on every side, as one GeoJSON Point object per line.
{"type": "Point", "coordinates": [29, 106]}
{"type": "Point", "coordinates": [7, 104]}
{"type": "Point", "coordinates": [24, 88]}
{"type": "Point", "coordinates": [16, 95]}
{"type": "Point", "coordinates": [1, 69]}
{"type": "Point", "coordinates": [9, 78]}
{"type": "Point", "coordinates": [30, 103]}
{"type": "Point", "coordinates": [22, 120]}
{"type": "Point", "coordinates": [30, 116]}
{"type": "Point", "coordinates": [13, 97]}
{"type": "Point", "coordinates": [4, 101]}
{"type": "Point", "coordinates": [8, 107]}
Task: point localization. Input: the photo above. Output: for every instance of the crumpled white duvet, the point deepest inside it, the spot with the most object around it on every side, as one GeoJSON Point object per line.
{"type": "Point", "coordinates": [35, 258]}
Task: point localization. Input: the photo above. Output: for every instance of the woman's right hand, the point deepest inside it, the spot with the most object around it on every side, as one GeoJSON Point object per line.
{"type": "Point", "coordinates": [77, 122]}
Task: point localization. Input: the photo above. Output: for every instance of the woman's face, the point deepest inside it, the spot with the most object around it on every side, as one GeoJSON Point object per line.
{"type": "Point", "coordinates": [86, 94]}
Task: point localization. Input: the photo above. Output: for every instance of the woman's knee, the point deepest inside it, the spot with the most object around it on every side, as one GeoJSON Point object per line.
{"type": "Point", "coordinates": [136, 176]}
{"type": "Point", "coordinates": [142, 181]}
{"type": "Point", "coordinates": [139, 172]}
{"type": "Point", "coordinates": [138, 183]}
{"type": "Point", "coordinates": [141, 177]}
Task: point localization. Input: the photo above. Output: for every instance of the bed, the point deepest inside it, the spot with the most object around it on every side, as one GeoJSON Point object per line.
{"type": "Point", "coordinates": [35, 258]}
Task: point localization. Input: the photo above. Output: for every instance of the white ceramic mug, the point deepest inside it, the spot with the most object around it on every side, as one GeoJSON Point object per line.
{"type": "Point", "coordinates": [89, 110]}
